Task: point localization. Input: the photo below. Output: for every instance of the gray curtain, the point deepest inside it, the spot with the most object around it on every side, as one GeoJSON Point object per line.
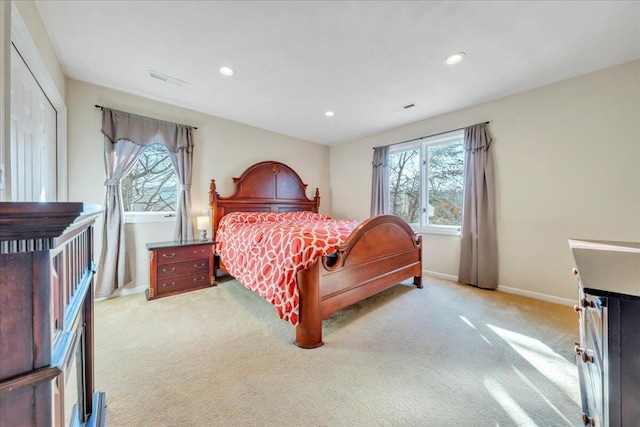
{"type": "Point", "coordinates": [126, 135]}
{"type": "Point", "coordinates": [478, 246]}
{"type": "Point", "coordinates": [380, 182]}
{"type": "Point", "coordinates": [182, 162]}
{"type": "Point", "coordinates": [119, 159]}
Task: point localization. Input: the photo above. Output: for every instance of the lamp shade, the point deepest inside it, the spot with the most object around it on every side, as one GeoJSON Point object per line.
{"type": "Point", "coordinates": [202, 222]}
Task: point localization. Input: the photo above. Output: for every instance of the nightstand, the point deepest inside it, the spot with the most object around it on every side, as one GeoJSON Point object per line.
{"type": "Point", "coordinates": [177, 267]}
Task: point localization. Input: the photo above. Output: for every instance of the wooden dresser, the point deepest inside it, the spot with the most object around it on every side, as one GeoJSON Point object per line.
{"type": "Point", "coordinates": [608, 354]}
{"type": "Point", "coordinates": [46, 315]}
{"type": "Point", "coordinates": [176, 267]}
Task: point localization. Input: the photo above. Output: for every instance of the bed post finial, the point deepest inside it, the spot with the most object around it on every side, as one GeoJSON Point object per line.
{"type": "Point", "coordinates": [317, 199]}
{"type": "Point", "coordinates": [212, 188]}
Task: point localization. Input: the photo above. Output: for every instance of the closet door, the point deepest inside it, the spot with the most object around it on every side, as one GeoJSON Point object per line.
{"type": "Point", "coordinates": [33, 137]}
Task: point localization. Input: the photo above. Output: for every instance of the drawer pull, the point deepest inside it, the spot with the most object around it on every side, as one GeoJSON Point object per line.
{"type": "Point", "coordinates": [587, 420]}
{"type": "Point", "coordinates": [577, 308]}
{"type": "Point", "coordinates": [586, 303]}
{"type": "Point", "coordinates": [195, 279]}
{"type": "Point", "coordinates": [169, 256]}
{"type": "Point", "coordinates": [586, 358]}
{"type": "Point", "coordinates": [199, 265]}
{"type": "Point", "coordinates": [164, 270]}
{"type": "Point", "coordinates": [200, 252]}
{"type": "Point", "coordinates": [169, 285]}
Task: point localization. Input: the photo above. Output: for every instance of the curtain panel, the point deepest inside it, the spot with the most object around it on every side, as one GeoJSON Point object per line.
{"type": "Point", "coordinates": [380, 181]}
{"type": "Point", "coordinates": [478, 245]}
{"type": "Point", "coordinates": [125, 137]}
{"type": "Point", "coordinates": [114, 272]}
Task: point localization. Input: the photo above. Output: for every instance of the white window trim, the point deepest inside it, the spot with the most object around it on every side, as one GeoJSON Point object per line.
{"type": "Point", "coordinates": [422, 144]}
{"type": "Point", "coordinates": [146, 217]}
{"type": "Point", "coordinates": [447, 230]}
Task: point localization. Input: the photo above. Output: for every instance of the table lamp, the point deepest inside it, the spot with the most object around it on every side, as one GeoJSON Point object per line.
{"type": "Point", "coordinates": [202, 224]}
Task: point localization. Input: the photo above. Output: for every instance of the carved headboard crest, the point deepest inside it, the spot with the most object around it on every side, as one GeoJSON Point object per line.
{"type": "Point", "coordinates": [264, 187]}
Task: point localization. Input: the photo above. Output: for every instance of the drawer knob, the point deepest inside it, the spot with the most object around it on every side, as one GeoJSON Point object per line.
{"type": "Point", "coordinates": [169, 285]}
{"type": "Point", "coordinates": [586, 358]}
{"type": "Point", "coordinates": [577, 308]}
{"type": "Point", "coordinates": [587, 420]}
{"type": "Point", "coordinates": [169, 256]}
{"type": "Point", "coordinates": [164, 270]}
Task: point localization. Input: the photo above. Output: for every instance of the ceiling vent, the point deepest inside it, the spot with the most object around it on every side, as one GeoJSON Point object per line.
{"type": "Point", "coordinates": [403, 107]}
{"type": "Point", "coordinates": [168, 79]}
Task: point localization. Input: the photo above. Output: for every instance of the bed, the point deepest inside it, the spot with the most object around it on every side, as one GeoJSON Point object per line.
{"type": "Point", "coordinates": [374, 255]}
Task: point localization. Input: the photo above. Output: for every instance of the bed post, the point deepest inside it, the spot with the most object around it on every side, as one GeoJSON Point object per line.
{"type": "Point", "coordinates": [309, 328]}
{"type": "Point", "coordinates": [213, 206]}
{"type": "Point", "coordinates": [417, 280]}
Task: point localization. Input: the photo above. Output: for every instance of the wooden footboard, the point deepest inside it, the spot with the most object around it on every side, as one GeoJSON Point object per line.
{"type": "Point", "coordinates": [380, 253]}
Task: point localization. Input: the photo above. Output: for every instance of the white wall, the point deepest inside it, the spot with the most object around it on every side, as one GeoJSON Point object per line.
{"type": "Point", "coordinates": [223, 149]}
{"type": "Point", "coordinates": [5, 90]}
{"type": "Point", "coordinates": [31, 17]}
{"type": "Point", "coordinates": [567, 166]}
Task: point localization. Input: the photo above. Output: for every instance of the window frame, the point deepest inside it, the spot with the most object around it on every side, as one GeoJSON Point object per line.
{"type": "Point", "coordinates": [134, 217]}
{"type": "Point", "coordinates": [423, 146]}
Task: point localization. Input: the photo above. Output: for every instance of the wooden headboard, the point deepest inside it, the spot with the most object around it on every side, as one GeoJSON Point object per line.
{"type": "Point", "coordinates": [264, 187]}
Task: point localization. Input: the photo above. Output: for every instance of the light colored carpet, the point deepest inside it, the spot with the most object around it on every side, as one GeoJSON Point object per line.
{"type": "Point", "coordinates": [445, 355]}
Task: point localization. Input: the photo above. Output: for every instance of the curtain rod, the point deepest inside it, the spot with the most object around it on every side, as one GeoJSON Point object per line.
{"type": "Point", "coordinates": [102, 108]}
{"type": "Point", "coordinates": [429, 136]}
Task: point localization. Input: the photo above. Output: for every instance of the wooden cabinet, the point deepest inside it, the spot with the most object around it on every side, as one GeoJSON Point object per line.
{"type": "Point", "coordinates": [176, 267]}
{"type": "Point", "coordinates": [46, 316]}
{"type": "Point", "coordinates": [608, 354]}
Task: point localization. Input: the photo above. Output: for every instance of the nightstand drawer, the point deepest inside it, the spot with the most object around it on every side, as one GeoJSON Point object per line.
{"type": "Point", "coordinates": [181, 268]}
{"type": "Point", "coordinates": [178, 284]}
{"type": "Point", "coordinates": [174, 254]}
{"type": "Point", "coordinates": [176, 267]}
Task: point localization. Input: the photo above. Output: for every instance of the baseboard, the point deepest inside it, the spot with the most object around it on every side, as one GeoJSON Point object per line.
{"type": "Point", "coordinates": [536, 295]}
{"type": "Point", "coordinates": [440, 275]}
{"type": "Point", "coordinates": [125, 291]}
{"type": "Point", "coordinates": [509, 290]}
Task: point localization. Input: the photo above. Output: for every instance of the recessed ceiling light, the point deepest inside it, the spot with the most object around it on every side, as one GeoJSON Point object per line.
{"type": "Point", "coordinates": [329, 114]}
{"type": "Point", "coordinates": [227, 71]}
{"type": "Point", "coordinates": [454, 58]}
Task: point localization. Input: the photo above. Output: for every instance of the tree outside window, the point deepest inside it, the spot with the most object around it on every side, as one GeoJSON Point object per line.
{"type": "Point", "coordinates": [404, 182]}
{"type": "Point", "coordinates": [152, 184]}
{"type": "Point", "coordinates": [426, 182]}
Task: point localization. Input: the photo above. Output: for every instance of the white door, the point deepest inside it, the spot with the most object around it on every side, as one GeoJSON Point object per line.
{"type": "Point", "coordinates": [33, 137]}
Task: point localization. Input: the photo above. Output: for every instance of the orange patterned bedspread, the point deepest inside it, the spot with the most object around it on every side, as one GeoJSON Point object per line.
{"type": "Point", "coordinates": [264, 251]}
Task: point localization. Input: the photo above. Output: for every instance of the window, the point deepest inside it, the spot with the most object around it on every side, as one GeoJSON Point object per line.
{"type": "Point", "coordinates": [426, 180]}
{"type": "Point", "coordinates": [151, 186]}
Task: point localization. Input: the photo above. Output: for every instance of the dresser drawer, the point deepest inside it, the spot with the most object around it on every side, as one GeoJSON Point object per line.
{"type": "Point", "coordinates": [182, 283]}
{"type": "Point", "coordinates": [181, 268]}
{"type": "Point", "coordinates": [167, 255]}
{"type": "Point", "coordinates": [591, 405]}
{"type": "Point", "coordinates": [591, 389]}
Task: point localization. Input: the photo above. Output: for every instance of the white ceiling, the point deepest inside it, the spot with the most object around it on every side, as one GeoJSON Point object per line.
{"type": "Point", "coordinates": [360, 59]}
